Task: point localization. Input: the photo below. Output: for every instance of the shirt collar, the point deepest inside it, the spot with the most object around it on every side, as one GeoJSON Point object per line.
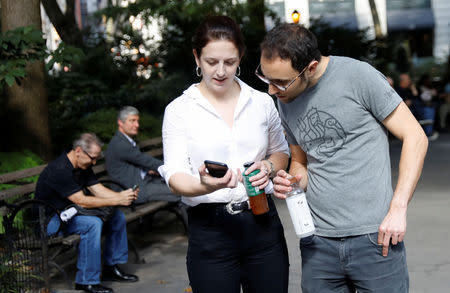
{"type": "Point", "coordinates": [245, 95]}
{"type": "Point", "coordinates": [67, 162]}
{"type": "Point", "coordinates": [129, 139]}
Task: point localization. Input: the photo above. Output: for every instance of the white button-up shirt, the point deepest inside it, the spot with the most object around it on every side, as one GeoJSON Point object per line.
{"type": "Point", "coordinates": [193, 131]}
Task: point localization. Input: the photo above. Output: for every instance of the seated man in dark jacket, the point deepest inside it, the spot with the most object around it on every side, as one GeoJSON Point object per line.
{"type": "Point", "coordinates": [127, 165]}
{"type": "Point", "coordinates": [62, 183]}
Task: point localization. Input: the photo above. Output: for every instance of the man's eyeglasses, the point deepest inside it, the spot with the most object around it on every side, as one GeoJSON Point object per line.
{"type": "Point", "coordinates": [91, 157]}
{"type": "Point", "coordinates": [283, 88]}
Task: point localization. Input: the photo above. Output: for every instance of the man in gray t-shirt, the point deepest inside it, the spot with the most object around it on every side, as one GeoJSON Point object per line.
{"type": "Point", "coordinates": [336, 112]}
{"type": "Point", "coordinates": [337, 124]}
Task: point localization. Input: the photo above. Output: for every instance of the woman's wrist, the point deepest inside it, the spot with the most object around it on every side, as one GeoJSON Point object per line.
{"type": "Point", "coordinates": [270, 168]}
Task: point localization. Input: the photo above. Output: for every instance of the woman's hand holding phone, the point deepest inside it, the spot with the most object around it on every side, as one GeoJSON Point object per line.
{"type": "Point", "coordinates": [216, 169]}
{"type": "Point", "coordinates": [229, 179]}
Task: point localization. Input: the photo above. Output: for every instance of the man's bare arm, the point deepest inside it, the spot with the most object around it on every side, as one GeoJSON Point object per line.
{"type": "Point", "coordinates": [402, 124]}
{"type": "Point", "coordinates": [102, 197]}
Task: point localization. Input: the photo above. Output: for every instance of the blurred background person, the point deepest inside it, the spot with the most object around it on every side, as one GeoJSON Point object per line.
{"type": "Point", "coordinates": [406, 89]}
{"type": "Point", "coordinates": [426, 108]}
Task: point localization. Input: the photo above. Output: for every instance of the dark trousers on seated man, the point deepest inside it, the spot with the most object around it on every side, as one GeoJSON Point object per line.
{"type": "Point", "coordinates": [154, 188]}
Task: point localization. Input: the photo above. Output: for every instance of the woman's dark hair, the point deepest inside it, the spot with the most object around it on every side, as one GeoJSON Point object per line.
{"type": "Point", "coordinates": [215, 28]}
{"type": "Point", "coordinates": [291, 42]}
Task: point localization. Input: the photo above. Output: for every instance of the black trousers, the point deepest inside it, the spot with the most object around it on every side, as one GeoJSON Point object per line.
{"type": "Point", "coordinates": [226, 251]}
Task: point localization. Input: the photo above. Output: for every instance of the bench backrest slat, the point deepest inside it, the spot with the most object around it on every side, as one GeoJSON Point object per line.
{"type": "Point", "coordinates": [155, 152]}
{"type": "Point", "coordinates": [99, 169]}
{"type": "Point", "coordinates": [16, 175]}
{"type": "Point", "coordinates": [150, 142]}
{"type": "Point", "coordinates": [19, 190]}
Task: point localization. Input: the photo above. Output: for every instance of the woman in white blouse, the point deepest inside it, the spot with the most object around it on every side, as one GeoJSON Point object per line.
{"type": "Point", "coordinates": [223, 119]}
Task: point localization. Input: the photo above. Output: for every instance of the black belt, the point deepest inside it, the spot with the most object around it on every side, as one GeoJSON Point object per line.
{"type": "Point", "coordinates": [231, 208]}
{"type": "Point", "coordinates": [234, 208]}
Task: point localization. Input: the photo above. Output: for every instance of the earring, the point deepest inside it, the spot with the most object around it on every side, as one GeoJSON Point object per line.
{"type": "Point", "coordinates": [198, 70]}
{"type": "Point", "coordinates": [238, 71]}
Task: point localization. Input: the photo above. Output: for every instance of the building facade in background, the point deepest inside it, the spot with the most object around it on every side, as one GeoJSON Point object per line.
{"type": "Point", "coordinates": [423, 24]}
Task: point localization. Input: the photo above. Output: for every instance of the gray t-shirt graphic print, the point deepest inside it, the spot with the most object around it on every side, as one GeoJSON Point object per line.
{"type": "Point", "coordinates": [338, 124]}
{"type": "Point", "coordinates": [321, 133]}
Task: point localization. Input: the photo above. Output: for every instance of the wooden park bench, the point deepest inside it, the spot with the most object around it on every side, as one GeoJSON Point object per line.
{"type": "Point", "coordinates": [52, 250]}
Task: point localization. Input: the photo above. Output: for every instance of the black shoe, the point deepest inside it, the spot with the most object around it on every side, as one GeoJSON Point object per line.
{"type": "Point", "coordinates": [114, 273]}
{"type": "Point", "coordinates": [97, 288]}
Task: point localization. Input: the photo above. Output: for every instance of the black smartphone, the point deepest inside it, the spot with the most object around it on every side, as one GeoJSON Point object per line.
{"type": "Point", "coordinates": [216, 169]}
{"type": "Point", "coordinates": [135, 187]}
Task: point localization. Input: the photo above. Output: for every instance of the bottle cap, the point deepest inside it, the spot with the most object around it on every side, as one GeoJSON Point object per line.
{"type": "Point", "coordinates": [293, 179]}
{"type": "Point", "coordinates": [248, 164]}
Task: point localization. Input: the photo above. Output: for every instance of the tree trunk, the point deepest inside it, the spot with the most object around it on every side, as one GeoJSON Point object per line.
{"type": "Point", "coordinates": [27, 103]}
{"type": "Point", "coordinates": [376, 19]}
{"type": "Point", "coordinates": [64, 23]}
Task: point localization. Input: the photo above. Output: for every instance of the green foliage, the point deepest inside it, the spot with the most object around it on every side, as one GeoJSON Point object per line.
{"type": "Point", "coordinates": [8, 272]}
{"type": "Point", "coordinates": [383, 53]}
{"type": "Point", "coordinates": [341, 41]}
{"type": "Point", "coordinates": [150, 126]}
{"type": "Point", "coordinates": [23, 45]}
{"type": "Point", "coordinates": [13, 267]}
{"type": "Point", "coordinates": [15, 161]}
{"type": "Point", "coordinates": [86, 89]}
{"type": "Point", "coordinates": [65, 55]}
{"type": "Point", "coordinates": [178, 20]}
{"type": "Point", "coordinates": [17, 48]}
{"type": "Point", "coordinates": [104, 124]}
{"type": "Point", "coordinates": [106, 77]}
{"type": "Point", "coordinates": [183, 17]}
{"type": "Point", "coordinates": [430, 66]}
{"type": "Point", "coordinates": [92, 84]}
{"type": "Point", "coordinates": [154, 96]}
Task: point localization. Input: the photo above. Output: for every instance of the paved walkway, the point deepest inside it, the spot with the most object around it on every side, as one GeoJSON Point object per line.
{"type": "Point", "coordinates": [427, 240]}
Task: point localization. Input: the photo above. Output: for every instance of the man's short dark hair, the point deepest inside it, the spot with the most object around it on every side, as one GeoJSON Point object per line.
{"type": "Point", "coordinates": [291, 42]}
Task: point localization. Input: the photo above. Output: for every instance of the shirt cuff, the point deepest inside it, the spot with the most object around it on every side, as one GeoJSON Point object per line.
{"type": "Point", "coordinates": [166, 172]}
